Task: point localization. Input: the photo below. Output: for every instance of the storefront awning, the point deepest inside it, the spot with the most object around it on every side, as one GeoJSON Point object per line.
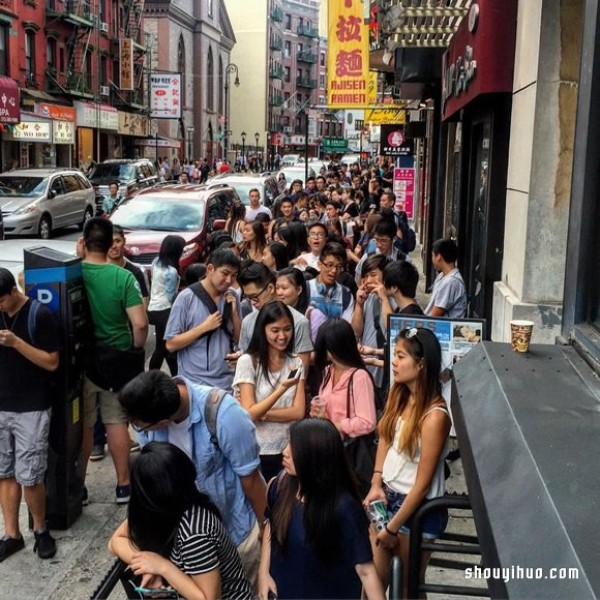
{"type": "Point", "coordinates": [39, 95]}
{"type": "Point", "coordinates": [10, 110]}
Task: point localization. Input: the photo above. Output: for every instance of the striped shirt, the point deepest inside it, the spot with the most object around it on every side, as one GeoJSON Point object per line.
{"type": "Point", "coordinates": [202, 544]}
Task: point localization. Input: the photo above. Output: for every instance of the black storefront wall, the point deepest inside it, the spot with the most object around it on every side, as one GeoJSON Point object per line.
{"type": "Point", "coordinates": [479, 198]}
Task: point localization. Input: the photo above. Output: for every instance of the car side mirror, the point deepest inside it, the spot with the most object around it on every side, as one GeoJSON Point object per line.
{"type": "Point", "coordinates": [52, 194]}
{"type": "Point", "coordinates": [218, 224]}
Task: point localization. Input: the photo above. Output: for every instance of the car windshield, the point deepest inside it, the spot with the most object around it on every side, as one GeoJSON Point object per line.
{"type": "Point", "coordinates": [159, 214]}
{"type": "Point", "coordinates": [104, 173]}
{"type": "Point", "coordinates": [25, 187]}
{"type": "Point", "coordinates": [243, 190]}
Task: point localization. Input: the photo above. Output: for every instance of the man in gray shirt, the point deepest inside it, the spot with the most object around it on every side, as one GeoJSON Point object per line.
{"type": "Point", "coordinates": [258, 285]}
{"type": "Point", "coordinates": [449, 296]}
{"type": "Point", "coordinates": [199, 335]}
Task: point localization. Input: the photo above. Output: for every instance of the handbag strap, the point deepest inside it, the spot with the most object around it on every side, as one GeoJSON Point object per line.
{"type": "Point", "coordinates": [349, 391]}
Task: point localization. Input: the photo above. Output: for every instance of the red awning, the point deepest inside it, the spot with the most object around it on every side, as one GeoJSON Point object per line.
{"type": "Point", "coordinates": [10, 111]}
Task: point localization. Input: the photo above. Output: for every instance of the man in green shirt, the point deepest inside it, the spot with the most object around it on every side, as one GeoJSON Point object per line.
{"type": "Point", "coordinates": [120, 323]}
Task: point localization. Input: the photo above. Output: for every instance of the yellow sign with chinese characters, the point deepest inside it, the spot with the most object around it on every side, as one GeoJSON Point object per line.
{"type": "Point", "coordinates": [348, 55]}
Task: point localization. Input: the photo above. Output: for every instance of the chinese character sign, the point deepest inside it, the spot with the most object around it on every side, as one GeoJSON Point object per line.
{"type": "Point", "coordinates": [394, 142]}
{"type": "Point", "coordinates": [404, 189]}
{"type": "Point", "coordinates": [126, 64]}
{"type": "Point", "coordinates": [165, 92]}
{"type": "Point", "coordinates": [348, 56]}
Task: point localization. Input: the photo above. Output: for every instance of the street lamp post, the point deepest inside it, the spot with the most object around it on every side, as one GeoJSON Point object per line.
{"type": "Point", "coordinates": [190, 149]}
{"type": "Point", "coordinates": [243, 150]}
{"type": "Point", "coordinates": [256, 138]}
{"type": "Point", "coordinates": [230, 68]}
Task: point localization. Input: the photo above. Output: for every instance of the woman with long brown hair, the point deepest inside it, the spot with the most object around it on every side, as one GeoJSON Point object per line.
{"type": "Point", "coordinates": [409, 466]}
{"type": "Point", "coordinates": [254, 241]}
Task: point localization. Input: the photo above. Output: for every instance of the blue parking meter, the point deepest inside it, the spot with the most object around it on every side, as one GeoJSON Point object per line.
{"type": "Point", "coordinates": [55, 279]}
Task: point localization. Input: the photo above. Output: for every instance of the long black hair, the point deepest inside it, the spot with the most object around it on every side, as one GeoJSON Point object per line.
{"type": "Point", "coordinates": [296, 277]}
{"type": "Point", "coordinates": [280, 255]}
{"type": "Point", "coordinates": [170, 251]}
{"type": "Point", "coordinates": [163, 487]}
{"type": "Point", "coordinates": [336, 336]}
{"type": "Point", "coordinates": [322, 476]}
{"type": "Point", "coordinates": [258, 347]}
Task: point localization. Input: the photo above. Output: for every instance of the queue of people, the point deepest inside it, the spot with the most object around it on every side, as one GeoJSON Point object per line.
{"type": "Point", "coordinates": [245, 483]}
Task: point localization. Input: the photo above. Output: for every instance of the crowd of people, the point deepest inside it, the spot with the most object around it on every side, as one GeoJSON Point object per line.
{"type": "Point", "coordinates": [274, 349]}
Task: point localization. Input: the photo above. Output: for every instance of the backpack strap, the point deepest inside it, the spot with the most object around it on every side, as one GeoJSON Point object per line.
{"type": "Point", "coordinates": [213, 402]}
{"type": "Point", "coordinates": [32, 319]}
{"type": "Point", "coordinates": [210, 304]}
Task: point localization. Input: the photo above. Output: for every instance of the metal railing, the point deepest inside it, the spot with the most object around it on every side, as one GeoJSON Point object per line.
{"type": "Point", "coordinates": [307, 31]}
{"type": "Point", "coordinates": [307, 56]}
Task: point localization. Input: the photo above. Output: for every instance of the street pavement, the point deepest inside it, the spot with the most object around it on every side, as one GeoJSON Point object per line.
{"type": "Point", "coordinates": [82, 559]}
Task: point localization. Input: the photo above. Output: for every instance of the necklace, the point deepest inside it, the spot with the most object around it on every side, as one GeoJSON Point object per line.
{"type": "Point", "coordinates": [16, 318]}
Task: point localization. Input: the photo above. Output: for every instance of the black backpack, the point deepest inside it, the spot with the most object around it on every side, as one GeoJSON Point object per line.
{"type": "Point", "coordinates": [409, 237]}
{"type": "Point", "coordinates": [207, 300]}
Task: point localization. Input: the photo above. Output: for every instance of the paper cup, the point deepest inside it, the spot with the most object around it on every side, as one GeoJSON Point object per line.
{"type": "Point", "coordinates": [520, 335]}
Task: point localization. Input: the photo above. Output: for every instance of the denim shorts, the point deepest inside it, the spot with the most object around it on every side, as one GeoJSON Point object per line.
{"type": "Point", "coordinates": [434, 523]}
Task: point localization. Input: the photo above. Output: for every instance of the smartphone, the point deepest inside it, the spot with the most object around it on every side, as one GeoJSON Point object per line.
{"type": "Point", "coordinates": [293, 374]}
{"type": "Point", "coordinates": [153, 591]}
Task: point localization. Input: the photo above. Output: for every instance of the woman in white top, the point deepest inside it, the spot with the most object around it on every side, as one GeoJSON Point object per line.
{"type": "Point", "coordinates": [235, 223]}
{"type": "Point", "coordinates": [409, 466]}
{"type": "Point", "coordinates": [165, 283]}
{"type": "Point", "coordinates": [266, 381]}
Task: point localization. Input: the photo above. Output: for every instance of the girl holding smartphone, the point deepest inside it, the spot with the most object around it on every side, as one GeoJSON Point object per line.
{"type": "Point", "coordinates": [267, 381]}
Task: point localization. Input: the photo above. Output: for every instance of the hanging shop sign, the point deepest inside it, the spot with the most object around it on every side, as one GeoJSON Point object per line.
{"type": "Point", "coordinates": [404, 190]}
{"type": "Point", "coordinates": [480, 57]}
{"type": "Point", "coordinates": [132, 124]}
{"type": "Point", "coordinates": [63, 132]}
{"type": "Point", "coordinates": [32, 131]}
{"type": "Point", "coordinates": [348, 55]}
{"type": "Point", "coordinates": [97, 116]}
{"type": "Point", "coordinates": [55, 111]}
{"type": "Point", "coordinates": [10, 100]}
{"type": "Point", "coordinates": [126, 64]}
{"type": "Point", "coordinates": [394, 143]}
{"type": "Point", "coordinates": [165, 95]}
{"type": "Point", "coordinates": [385, 116]}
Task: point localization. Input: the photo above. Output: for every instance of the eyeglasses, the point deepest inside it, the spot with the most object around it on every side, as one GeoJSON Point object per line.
{"type": "Point", "coordinates": [332, 267]}
{"type": "Point", "coordinates": [316, 235]}
{"type": "Point", "coordinates": [139, 429]}
{"type": "Point", "coordinates": [255, 297]}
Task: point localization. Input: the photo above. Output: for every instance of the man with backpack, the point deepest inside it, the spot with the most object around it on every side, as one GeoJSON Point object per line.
{"type": "Point", "coordinates": [204, 324]}
{"type": "Point", "coordinates": [29, 353]}
{"type": "Point", "coordinates": [217, 433]}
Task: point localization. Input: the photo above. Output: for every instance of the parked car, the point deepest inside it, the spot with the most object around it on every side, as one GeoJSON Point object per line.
{"type": "Point", "coordinates": [195, 212]}
{"type": "Point", "coordinates": [1, 227]}
{"type": "Point", "coordinates": [12, 252]}
{"type": "Point", "coordinates": [132, 175]}
{"type": "Point", "coordinates": [315, 164]}
{"type": "Point", "coordinates": [265, 183]}
{"type": "Point", "coordinates": [37, 201]}
{"type": "Point", "coordinates": [296, 172]}
{"type": "Point", "coordinates": [350, 159]}
{"type": "Point", "coordinates": [289, 160]}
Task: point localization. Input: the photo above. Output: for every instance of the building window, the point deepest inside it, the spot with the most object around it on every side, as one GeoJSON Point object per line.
{"type": "Point", "coordinates": [321, 81]}
{"type": "Point", "coordinates": [61, 59]}
{"type": "Point", "coordinates": [103, 71]}
{"type": "Point", "coordinates": [30, 56]}
{"type": "Point", "coordinates": [87, 73]}
{"type": "Point", "coordinates": [288, 22]}
{"type": "Point", "coordinates": [210, 88]}
{"type": "Point", "coordinates": [288, 76]}
{"type": "Point", "coordinates": [210, 8]}
{"type": "Point", "coordinates": [4, 49]}
{"type": "Point", "coordinates": [181, 69]}
{"type": "Point", "coordinates": [322, 59]}
{"type": "Point", "coordinates": [51, 54]}
{"type": "Point", "coordinates": [103, 11]}
{"type": "Point", "coordinates": [287, 49]}
{"type": "Point", "coordinates": [299, 49]}
{"type": "Point", "coordinates": [298, 73]}
{"type": "Point", "coordinates": [286, 96]}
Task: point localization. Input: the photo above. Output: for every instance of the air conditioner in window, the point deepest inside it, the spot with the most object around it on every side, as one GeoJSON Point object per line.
{"type": "Point", "coordinates": [287, 129]}
{"type": "Point", "coordinates": [104, 90]}
{"type": "Point", "coordinates": [104, 27]}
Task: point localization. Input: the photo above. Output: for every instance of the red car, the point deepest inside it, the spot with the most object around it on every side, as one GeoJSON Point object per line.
{"type": "Point", "coordinates": [192, 211]}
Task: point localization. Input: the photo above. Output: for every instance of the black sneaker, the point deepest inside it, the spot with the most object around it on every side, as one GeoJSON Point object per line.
{"type": "Point", "coordinates": [98, 452]}
{"type": "Point", "coordinates": [9, 545]}
{"type": "Point", "coordinates": [45, 544]}
{"type": "Point", "coordinates": [122, 493]}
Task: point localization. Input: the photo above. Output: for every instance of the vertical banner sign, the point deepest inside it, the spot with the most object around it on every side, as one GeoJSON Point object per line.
{"type": "Point", "coordinates": [165, 96]}
{"type": "Point", "coordinates": [348, 55]}
{"type": "Point", "coordinates": [404, 189]}
{"type": "Point", "coordinates": [126, 64]}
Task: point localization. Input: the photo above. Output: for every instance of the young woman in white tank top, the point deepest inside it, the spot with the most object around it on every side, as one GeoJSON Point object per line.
{"type": "Point", "coordinates": [409, 466]}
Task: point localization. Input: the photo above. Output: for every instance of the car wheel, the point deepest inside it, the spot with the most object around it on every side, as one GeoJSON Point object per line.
{"type": "Point", "coordinates": [87, 215]}
{"type": "Point", "coordinates": [45, 228]}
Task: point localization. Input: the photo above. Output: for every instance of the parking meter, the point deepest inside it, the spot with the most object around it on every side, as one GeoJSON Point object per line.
{"type": "Point", "coordinates": [55, 279]}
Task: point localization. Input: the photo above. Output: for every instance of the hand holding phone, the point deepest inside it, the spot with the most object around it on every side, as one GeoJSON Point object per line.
{"type": "Point", "coordinates": [294, 373]}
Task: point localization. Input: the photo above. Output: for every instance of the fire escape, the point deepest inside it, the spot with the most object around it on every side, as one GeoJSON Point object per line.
{"type": "Point", "coordinates": [132, 21]}
{"type": "Point", "coordinates": [77, 79]}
